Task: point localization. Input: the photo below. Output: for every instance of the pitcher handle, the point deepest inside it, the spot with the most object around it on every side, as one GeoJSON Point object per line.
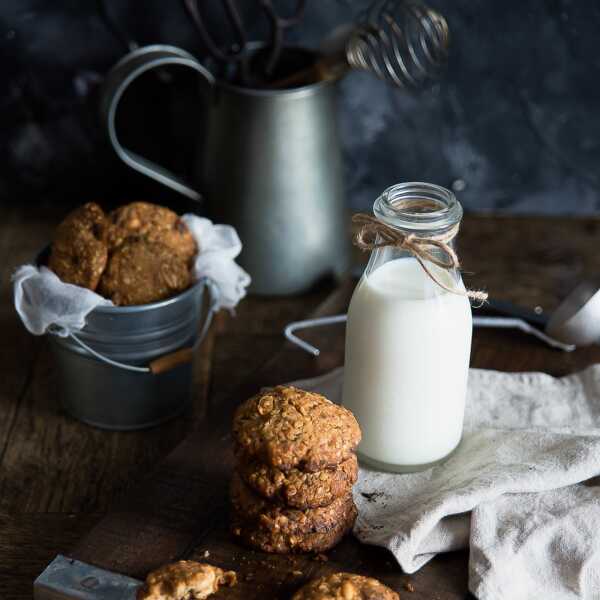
{"type": "Point", "coordinates": [127, 70]}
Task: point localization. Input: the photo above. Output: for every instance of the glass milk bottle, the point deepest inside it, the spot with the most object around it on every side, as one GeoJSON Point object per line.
{"type": "Point", "coordinates": [408, 337]}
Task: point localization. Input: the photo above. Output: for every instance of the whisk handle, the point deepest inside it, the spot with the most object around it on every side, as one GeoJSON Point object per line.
{"type": "Point", "coordinates": [327, 68]}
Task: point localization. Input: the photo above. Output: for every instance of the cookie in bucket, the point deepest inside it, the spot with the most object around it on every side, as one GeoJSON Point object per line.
{"type": "Point", "coordinates": [140, 272]}
{"type": "Point", "coordinates": [127, 298]}
{"type": "Point", "coordinates": [138, 254]}
{"type": "Point", "coordinates": [153, 223]}
{"type": "Point", "coordinates": [79, 250]}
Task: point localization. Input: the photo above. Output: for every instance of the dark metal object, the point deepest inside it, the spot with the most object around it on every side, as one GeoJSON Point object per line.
{"type": "Point", "coordinates": [403, 42]}
{"type": "Point", "coordinates": [504, 308]}
{"type": "Point", "coordinates": [234, 53]}
{"type": "Point", "coordinates": [239, 52]}
{"type": "Point", "coordinates": [278, 27]}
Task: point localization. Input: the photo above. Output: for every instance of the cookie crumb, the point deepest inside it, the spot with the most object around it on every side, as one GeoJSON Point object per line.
{"type": "Point", "coordinates": [206, 554]}
{"type": "Point", "coordinates": [409, 586]}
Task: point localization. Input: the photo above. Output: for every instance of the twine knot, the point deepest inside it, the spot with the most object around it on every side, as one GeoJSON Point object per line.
{"type": "Point", "coordinates": [434, 248]}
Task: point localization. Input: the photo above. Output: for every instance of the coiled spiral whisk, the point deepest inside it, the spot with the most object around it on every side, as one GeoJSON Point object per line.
{"type": "Point", "coordinates": [400, 41]}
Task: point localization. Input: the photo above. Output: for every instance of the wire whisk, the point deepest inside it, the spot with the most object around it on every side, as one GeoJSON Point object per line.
{"type": "Point", "coordinates": [405, 43]}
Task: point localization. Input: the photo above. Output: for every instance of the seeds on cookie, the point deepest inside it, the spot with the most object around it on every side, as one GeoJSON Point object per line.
{"type": "Point", "coordinates": [297, 488]}
{"type": "Point", "coordinates": [79, 251]}
{"type": "Point", "coordinates": [287, 428]}
{"type": "Point", "coordinates": [152, 223]}
{"type": "Point", "coordinates": [140, 253]}
{"type": "Point", "coordinates": [184, 580]}
{"type": "Point", "coordinates": [346, 586]}
{"type": "Point", "coordinates": [251, 507]}
{"type": "Point", "coordinates": [140, 272]}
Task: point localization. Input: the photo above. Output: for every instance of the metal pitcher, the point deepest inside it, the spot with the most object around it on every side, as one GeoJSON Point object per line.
{"type": "Point", "coordinates": [270, 165]}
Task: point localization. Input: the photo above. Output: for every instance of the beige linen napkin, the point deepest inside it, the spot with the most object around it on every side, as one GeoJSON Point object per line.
{"type": "Point", "coordinates": [524, 433]}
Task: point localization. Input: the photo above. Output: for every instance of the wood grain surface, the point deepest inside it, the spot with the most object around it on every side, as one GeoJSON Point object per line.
{"type": "Point", "coordinates": [181, 511]}
{"type": "Point", "coordinates": [58, 477]}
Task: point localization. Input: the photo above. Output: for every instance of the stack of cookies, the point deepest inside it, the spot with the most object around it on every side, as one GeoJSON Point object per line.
{"type": "Point", "coordinates": [295, 468]}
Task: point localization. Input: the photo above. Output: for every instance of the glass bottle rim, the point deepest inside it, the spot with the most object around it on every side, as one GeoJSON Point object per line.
{"type": "Point", "coordinates": [418, 205]}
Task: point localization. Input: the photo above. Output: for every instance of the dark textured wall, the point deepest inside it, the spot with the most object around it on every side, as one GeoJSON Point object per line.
{"type": "Point", "coordinates": [514, 123]}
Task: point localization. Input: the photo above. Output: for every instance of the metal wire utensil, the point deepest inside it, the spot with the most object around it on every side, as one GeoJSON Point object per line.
{"type": "Point", "coordinates": [278, 26]}
{"type": "Point", "coordinates": [239, 52]}
{"type": "Point", "coordinates": [403, 42]}
{"type": "Point", "coordinates": [497, 322]}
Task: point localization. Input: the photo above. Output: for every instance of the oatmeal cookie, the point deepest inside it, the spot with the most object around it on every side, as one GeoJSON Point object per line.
{"type": "Point", "coordinates": [345, 586]}
{"type": "Point", "coordinates": [152, 223]}
{"type": "Point", "coordinates": [300, 489]}
{"type": "Point", "coordinates": [249, 506]}
{"type": "Point", "coordinates": [284, 541]}
{"type": "Point", "coordinates": [185, 580]}
{"type": "Point", "coordinates": [140, 272]}
{"type": "Point", "coordinates": [286, 427]}
{"type": "Point", "coordinates": [79, 251]}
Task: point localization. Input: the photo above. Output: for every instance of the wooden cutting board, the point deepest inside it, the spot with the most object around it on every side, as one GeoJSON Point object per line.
{"type": "Point", "coordinates": [181, 509]}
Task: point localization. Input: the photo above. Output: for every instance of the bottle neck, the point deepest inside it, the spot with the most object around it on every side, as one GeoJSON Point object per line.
{"type": "Point", "coordinates": [423, 209]}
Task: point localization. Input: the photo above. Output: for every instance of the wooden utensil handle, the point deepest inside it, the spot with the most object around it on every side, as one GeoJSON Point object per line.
{"type": "Point", "coordinates": [172, 360]}
{"type": "Point", "coordinates": [326, 68]}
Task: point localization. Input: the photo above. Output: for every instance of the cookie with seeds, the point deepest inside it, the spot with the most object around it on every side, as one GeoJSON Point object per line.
{"type": "Point", "coordinates": [345, 586]}
{"type": "Point", "coordinates": [282, 530]}
{"type": "Point", "coordinates": [79, 251]}
{"type": "Point", "coordinates": [140, 272]}
{"type": "Point", "coordinates": [185, 580]}
{"type": "Point", "coordinates": [249, 506]}
{"type": "Point", "coordinates": [280, 542]}
{"type": "Point", "coordinates": [286, 428]}
{"type": "Point", "coordinates": [152, 223]}
{"type": "Point", "coordinates": [299, 489]}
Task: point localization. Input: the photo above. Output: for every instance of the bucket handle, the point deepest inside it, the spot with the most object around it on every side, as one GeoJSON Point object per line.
{"type": "Point", "coordinates": [168, 361]}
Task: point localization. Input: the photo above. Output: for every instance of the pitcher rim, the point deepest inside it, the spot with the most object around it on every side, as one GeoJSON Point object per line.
{"type": "Point", "coordinates": [253, 91]}
{"type": "Point", "coordinates": [302, 90]}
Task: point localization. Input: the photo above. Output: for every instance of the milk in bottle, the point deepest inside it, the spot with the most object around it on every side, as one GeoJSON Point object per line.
{"type": "Point", "coordinates": [408, 340]}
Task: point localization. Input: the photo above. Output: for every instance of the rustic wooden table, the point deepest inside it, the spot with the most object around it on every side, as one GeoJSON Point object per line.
{"type": "Point", "coordinates": [59, 477]}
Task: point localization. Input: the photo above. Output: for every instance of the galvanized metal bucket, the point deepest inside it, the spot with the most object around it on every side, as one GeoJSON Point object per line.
{"type": "Point", "coordinates": [130, 367]}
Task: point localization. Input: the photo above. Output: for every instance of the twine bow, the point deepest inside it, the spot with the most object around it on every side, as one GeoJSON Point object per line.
{"type": "Point", "coordinates": [433, 249]}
